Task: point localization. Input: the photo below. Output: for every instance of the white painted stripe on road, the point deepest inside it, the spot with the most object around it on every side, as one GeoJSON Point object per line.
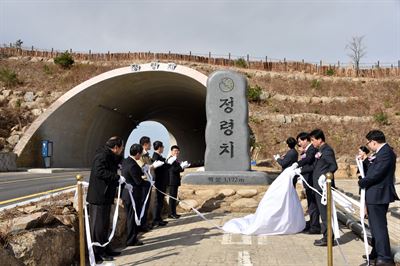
{"type": "Point", "coordinates": [227, 239]}
{"type": "Point", "coordinates": [262, 240]}
{"type": "Point", "coordinates": [244, 258]}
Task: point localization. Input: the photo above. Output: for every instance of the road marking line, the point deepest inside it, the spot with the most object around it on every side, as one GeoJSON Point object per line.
{"type": "Point", "coordinates": [30, 179]}
{"type": "Point", "coordinates": [262, 240]}
{"type": "Point", "coordinates": [36, 194]}
{"type": "Point", "coordinates": [244, 258]}
{"type": "Point", "coordinates": [227, 240]}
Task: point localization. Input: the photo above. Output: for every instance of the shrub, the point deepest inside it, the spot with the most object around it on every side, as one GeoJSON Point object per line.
{"type": "Point", "coordinates": [382, 118]}
{"type": "Point", "coordinates": [64, 60]}
{"type": "Point", "coordinates": [330, 72]}
{"type": "Point", "coordinates": [9, 77]}
{"type": "Point", "coordinates": [47, 70]}
{"type": "Point", "coordinates": [254, 93]}
{"type": "Point", "coordinates": [241, 63]}
{"type": "Point", "coordinates": [316, 84]}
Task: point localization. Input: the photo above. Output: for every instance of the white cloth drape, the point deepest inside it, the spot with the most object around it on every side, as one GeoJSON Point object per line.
{"type": "Point", "coordinates": [279, 211]}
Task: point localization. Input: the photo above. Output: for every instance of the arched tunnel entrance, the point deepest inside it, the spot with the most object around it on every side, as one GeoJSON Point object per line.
{"type": "Point", "coordinates": [113, 103]}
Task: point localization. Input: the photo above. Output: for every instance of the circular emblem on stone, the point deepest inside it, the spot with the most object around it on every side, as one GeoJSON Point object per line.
{"type": "Point", "coordinates": [226, 85]}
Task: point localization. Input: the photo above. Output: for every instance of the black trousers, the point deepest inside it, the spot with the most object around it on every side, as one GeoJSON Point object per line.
{"type": "Point", "coordinates": [145, 189]}
{"type": "Point", "coordinates": [173, 191]}
{"type": "Point", "coordinates": [132, 228]}
{"type": "Point", "coordinates": [160, 202]}
{"type": "Point", "coordinates": [380, 236]}
{"type": "Point", "coordinates": [313, 210]}
{"type": "Point", "coordinates": [99, 221]}
{"type": "Point", "coordinates": [323, 214]}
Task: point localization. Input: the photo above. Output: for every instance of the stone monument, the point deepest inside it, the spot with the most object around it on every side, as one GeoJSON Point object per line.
{"type": "Point", "coordinates": [227, 158]}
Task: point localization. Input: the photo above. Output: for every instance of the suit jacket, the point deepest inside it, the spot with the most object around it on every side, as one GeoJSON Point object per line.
{"type": "Point", "coordinates": [379, 180]}
{"type": "Point", "coordinates": [290, 157]}
{"type": "Point", "coordinates": [326, 163]}
{"type": "Point", "coordinates": [174, 174]}
{"type": "Point", "coordinates": [103, 180]}
{"type": "Point", "coordinates": [307, 164]}
{"type": "Point", "coordinates": [132, 172]}
{"type": "Point", "coordinates": [162, 175]}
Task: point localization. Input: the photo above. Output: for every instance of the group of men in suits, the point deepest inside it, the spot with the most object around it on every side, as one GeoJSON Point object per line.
{"type": "Point", "coordinates": [136, 192]}
{"type": "Point", "coordinates": [318, 159]}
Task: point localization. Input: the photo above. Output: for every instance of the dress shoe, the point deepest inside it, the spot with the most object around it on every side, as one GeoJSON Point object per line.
{"type": "Point", "coordinates": [112, 253]}
{"type": "Point", "coordinates": [379, 262]}
{"type": "Point", "coordinates": [144, 229]}
{"type": "Point", "coordinates": [104, 257]}
{"type": "Point", "coordinates": [312, 232]}
{"type": "Point", "coordinates": [136, 243]}
{"type": "Point", "coordinates": [323, 242]}
{"type": "Point", "coordinates": [174, 216]}
{"type": "Point", "coordinates": [370, 257]}
{"type": "Point", "coordinates": [160, 223]}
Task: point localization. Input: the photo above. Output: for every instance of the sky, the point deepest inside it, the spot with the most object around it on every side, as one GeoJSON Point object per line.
{"type": "Point", "coordinates": [312, 30]}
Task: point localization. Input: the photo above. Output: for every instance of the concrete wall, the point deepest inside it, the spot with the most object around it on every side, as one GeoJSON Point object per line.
{"type": "Point", "coordinates": [8, 161]}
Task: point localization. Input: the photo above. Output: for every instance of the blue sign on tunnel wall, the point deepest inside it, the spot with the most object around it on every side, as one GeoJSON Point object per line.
{"type": "Point", "coordinates": [47, 148]}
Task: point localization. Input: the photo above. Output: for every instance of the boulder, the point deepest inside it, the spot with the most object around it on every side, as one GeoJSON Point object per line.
{"type": "Point", "coordinates": [242, 205]}
{"type": "Point", "coordinates": [227, 192]}
{"type": "Point", "coordinates": [205, 193]}
{"type": "Point", "coordinates": [29, 96]}
{"type": "Point", "coordinates": [2, 98]}
{"type": "Point", "coordinates": [8, 259]}
{"type": "Point", "coordinates": [185, 193]}
{"type": "Point", "coordinates": [13, 140]}
{"type": "Point", "coordinates": [6, 93]}
{"type": "Point", "coordinates": [45, 246]}
{"type": "Point", "coordinates": [36, 112]}
{"type": "Point", "coordinates": [247, 193]}
{"type": "Point", "coordinates": [188, 204]}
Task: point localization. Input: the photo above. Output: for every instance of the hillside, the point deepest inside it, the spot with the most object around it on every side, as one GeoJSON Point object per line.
{"type": "Point", "coordinates": [290, 102]}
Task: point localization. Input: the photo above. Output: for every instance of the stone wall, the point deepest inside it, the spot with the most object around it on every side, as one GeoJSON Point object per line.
{"type": "Point", "coordinates": [8, 161]}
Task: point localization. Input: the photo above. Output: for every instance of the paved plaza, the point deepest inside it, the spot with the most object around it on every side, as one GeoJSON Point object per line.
{"type": "Point", "coordinates": [193, 241]}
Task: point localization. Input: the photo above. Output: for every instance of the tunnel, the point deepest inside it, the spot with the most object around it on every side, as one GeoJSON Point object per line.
{"type": "Point", "coordinates": [115, 103]}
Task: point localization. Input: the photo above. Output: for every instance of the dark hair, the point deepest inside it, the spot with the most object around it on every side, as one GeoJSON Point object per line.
{"type": "Point", "coordinates": [144, 140]}
{"type": "Point", "coordinates": [114, 141]}
{"type": "Point", "coordinates": [376, 135]}
{"type": "Point", "coordinates": [364, 149]}
{"type": "Point", "coordinates": [317, 134]}
{"type": "Point", "coordinates": [175, 147]}
{"type": "Point", "coordinates": [303, 136]}
{"type": "Point", "coordinates": [135, 149]}
{"type": "Point", "coordinates": [291, 142]}
{"type": "Point", "coordinates": [157, 144]}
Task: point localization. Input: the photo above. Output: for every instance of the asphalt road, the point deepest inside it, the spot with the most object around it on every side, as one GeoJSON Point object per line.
{"type": "Point", "coordinates": [21, 186]}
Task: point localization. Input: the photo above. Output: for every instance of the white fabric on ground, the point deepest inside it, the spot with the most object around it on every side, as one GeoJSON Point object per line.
{"type": "Point", "coordinates": [279, 211]}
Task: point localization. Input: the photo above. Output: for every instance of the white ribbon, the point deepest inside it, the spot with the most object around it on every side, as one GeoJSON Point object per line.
{"type": "Point", "coordinates": [362, 207]}
{"type": "Point", "coordinates": [90, 244]}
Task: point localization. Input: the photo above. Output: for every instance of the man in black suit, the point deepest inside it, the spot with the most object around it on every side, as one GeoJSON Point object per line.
{"type": "Point", "coordinates": [103, 185]}
{"type": "Point", "coordinates": [161, 181]}
{"type": "Point", "coordinates": [325, 162]}
{"type": "Point", "coordinates": [174, 179]}
{"type": "Point", "coordinates": [291, 156]}
{"type": "Point", "coordinates": [133, 175]}
{"type": "Point", "coordinates": [380, 191]}
{"type": "Point", "coordinates": [307, 166]}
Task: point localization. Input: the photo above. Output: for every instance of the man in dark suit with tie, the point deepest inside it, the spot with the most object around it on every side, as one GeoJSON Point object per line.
{"type": "Point", "coordinates": [380, 191]}
{"type": "Point", "coordinates": [325, 162]}
{"type": "Point", "coordinates": [133, 175]}
{"type": "Point", "coordinates": [174, 171]}
{"type": "Point", "coordinates": [161, 181]}
{"type": "Point", "coordinates": [307, 166]}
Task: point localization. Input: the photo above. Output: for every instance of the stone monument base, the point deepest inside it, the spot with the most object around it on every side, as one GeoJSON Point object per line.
{"type": "Point", "coordinates": [229, 178]}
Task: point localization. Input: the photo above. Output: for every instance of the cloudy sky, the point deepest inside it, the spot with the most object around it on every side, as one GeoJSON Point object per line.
{"type": "Point", "coordinates": [312, 30]}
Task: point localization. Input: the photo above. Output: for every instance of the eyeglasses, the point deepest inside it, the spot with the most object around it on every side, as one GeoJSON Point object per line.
{"type": "Point", "coordinates": [366, 144]}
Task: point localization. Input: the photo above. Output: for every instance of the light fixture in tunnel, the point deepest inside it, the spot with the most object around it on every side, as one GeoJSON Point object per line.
{"type": "Point", "coordinates": [135, 67]}
{"type": "Point", "coordinates": [128, 116]}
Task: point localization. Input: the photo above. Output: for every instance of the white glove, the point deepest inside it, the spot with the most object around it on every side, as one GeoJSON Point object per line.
{"type": "Point", "coordinates": [121, 180]}
{"type": "Point", "coordinates": [297, 171]}
{"type": "Point", "coordinates": [129, 187]}
{"type": "Point", "coordinates": [294, 165]}
{"type": "Point", "coordinates": [157, 164]}
{"type": "Point", "coordinates": [277, 156]}
{"type": "Point", "coordinates": [171, 160]}
{"type": "Point", "coordinates": [185, 164]}
{"type": "Point", "coordinates": [145, 168]}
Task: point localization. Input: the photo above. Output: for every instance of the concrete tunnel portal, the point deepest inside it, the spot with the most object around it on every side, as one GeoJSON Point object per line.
{"type": "Point", "coordinates": [113, 103]}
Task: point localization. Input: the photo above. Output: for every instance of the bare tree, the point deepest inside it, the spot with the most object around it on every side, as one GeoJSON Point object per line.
{"type": "Point", "coordinates": [357, 51]}
{"type": "Point", "coordinates": [18, 44]}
